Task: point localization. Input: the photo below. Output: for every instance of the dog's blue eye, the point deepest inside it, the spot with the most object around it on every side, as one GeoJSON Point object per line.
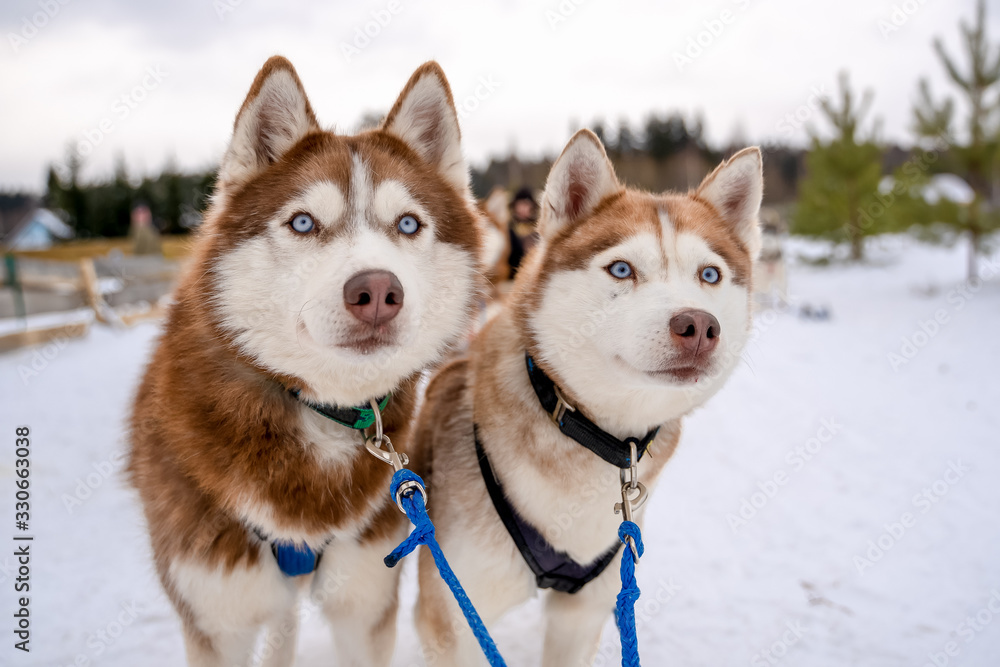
{"type": "Point", "coordinates": [408, 225]}
{"type": "Point", "coordinates": [710, 274]}
{"type": "Point", "coordinates": [620, 270]}
{"type": "Point", "coordinates": [303, 223]}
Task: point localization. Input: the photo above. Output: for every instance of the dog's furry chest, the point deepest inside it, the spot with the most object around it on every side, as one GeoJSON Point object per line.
{"type": "Point", "coordinates": [332, 451]}
{"type": "Point", "coordinates": [567, 494]}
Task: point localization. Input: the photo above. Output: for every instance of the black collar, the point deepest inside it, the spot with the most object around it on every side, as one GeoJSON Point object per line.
{"type": "Point", "coordinates": [575, 425]}
{"type": "Point", "coordinates": [358, 418]}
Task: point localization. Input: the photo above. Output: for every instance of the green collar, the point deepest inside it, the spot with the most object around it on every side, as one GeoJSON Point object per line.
{"type": "Point", "coordinates": [358, 418]}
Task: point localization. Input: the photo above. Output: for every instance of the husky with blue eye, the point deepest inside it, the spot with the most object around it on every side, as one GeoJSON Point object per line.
{"type": "Point", "coordinates": [633, 310]}
{"type": "Point", "coordinates": [330, 271]}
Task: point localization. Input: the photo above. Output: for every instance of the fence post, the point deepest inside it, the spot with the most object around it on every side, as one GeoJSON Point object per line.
{"type": "Point", "coordinates": [19, 310]}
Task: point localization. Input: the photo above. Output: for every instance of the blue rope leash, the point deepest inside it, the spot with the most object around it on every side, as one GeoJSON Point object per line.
{"type": "Point", "coordinates": [625, 609]}
{"type": "Point", "coordinates": [423, 533]}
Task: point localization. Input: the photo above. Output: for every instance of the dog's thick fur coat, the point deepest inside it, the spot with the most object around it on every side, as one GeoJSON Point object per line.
{"type": "Point", "coordinates": [613, 345]}
{"type": "Point", "coordinates": [224, 457]}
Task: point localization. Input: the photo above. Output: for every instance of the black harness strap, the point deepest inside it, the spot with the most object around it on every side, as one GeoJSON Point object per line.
{"type": "Point", "coordinates": [552, 569]}
{"type": "Point", "coordinates": [555, 569]}
{"type": "Point", "coordinates": [575, 425]}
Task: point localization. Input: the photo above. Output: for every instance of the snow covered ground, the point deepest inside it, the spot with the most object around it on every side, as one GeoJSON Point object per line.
{"type": "Point", "coordinates": [833, 506]}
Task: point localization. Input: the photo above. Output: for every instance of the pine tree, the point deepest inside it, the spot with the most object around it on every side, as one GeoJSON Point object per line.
{"type": "Point", "coordinates": [75, 200]}
{"type": "Point", "coordinates": [838, 197]}
{"type": "Point", "coordinates": [627, 141]}
{"type": "Point", "coordinates": [172, 198]}
{"type": "Point", "coordinates": [976, 152]}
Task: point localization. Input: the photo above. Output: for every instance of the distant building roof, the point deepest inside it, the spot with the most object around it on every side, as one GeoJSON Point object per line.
{"type": "Point", "coordinates": [24, 225]}
{"type": "Point", "coordinates": [15, 211]}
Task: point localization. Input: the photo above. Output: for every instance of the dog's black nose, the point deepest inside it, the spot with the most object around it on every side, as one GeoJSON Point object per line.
{"type": "Point", "coordinates": [696, 331]}
{"type": "Point", "coordinates": [374, 297]}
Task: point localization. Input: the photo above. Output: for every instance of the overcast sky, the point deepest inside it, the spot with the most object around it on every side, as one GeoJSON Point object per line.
{"type": "Point", "coordinates": [162, 81]}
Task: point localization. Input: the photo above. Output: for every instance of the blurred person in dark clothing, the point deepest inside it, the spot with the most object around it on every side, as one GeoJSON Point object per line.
{"type": "Point", "coordinates": [523, 218]}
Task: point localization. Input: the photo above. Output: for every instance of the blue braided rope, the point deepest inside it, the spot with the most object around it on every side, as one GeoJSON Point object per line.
{"type": "Point", "coordinates": [423, 533]}
{"type": "Point", "coordinates": [625, 609]}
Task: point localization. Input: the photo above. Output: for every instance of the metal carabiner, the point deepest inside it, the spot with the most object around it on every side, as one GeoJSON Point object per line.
{"type": "Point", "coordinates": [630, 475]}
{"type": "Point", "coordinates": [389, 455]}
{"type": "Point", "coordinates": [630, 504]}
{"type": "Point", "coordinates": [374, 444]}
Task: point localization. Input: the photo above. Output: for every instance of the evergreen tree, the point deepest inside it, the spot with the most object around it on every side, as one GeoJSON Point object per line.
{"type": "Point", "coordinates": [76, 199]}
{"type": "Point", "coordinates": [627, 141]}
{"type": "Point", "coordinates": [667, 135]}
{"type": "Point", "coordinates": [601, 132]}
{"type": "Point", "coordinates": [172, 199]}
{"type": "Point", "coordinates": [975, 150]}
{"type": "Point", "coordinates": [838, 197]}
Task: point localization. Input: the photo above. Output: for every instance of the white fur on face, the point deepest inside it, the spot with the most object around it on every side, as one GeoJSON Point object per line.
{"type": "Point", "coordinates": [282, 294]}
{"type": "Point", "coordinates": [325, 202]}
{"type": "Point", "coordinates": [603, 335]}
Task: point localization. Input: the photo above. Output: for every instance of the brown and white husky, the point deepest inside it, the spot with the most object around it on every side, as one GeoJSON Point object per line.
{"type": "Point", "coordinates": [330, 271]}
{"type": "Point", "coordinates": [632, 311]}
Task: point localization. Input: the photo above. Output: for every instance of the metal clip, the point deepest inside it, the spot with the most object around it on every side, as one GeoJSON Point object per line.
{"type": "Point", "coordinates": [389, 455]}
{"type": "Point", "coordinates": [562, 407]}
{"type": "Point", "coordinates": [374, 444]}
{"type": "Point", "coordinates": [630, 504]}
{"type": "Point", "coordinates": [630, 475]}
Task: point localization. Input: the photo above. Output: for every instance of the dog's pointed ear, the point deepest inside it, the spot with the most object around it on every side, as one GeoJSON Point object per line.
{"type": "Point", "coordinates": [580, 178]}
{"type": "Point", "coordinates": [274, 116]}
{"type": "Point", "coordinates": [735, 190]}
{"type": "Point", "coordinates": [424, 117]}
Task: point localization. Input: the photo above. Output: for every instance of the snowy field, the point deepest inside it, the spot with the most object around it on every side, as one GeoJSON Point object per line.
{"type": "Point", "coordinates": [832, 506]}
